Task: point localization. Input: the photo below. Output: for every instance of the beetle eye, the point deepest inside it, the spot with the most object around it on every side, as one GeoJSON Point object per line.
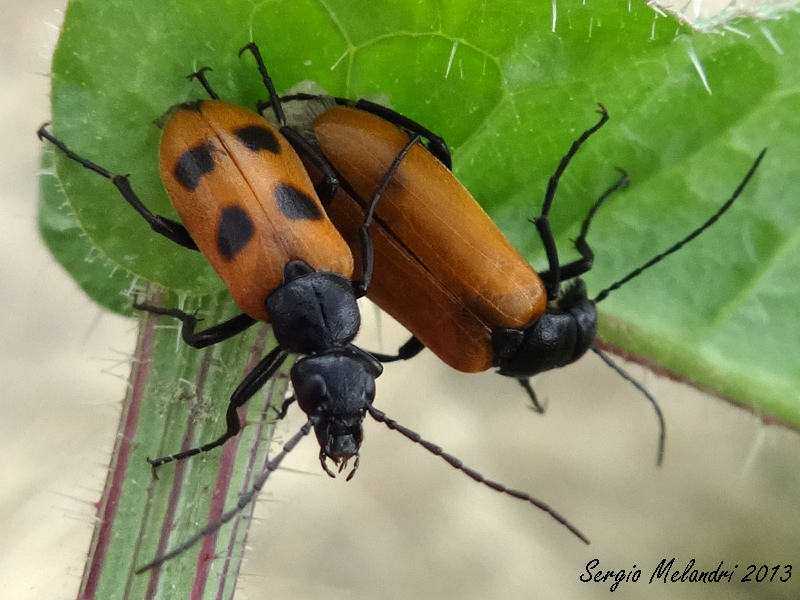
{"type": "Point", "coordinates": [311, 391]}
{"type": "Point", "coordinates": [369, 389]}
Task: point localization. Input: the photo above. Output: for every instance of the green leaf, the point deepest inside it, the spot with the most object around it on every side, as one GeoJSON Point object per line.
{"type": "Point", "coordinates": [510, 92]}
{"type": "Point", "coordinates": [103, 280]}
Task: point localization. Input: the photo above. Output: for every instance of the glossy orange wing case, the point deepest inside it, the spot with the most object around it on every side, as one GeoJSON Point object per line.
{"type": "Point", "coordinates": [442, 268]}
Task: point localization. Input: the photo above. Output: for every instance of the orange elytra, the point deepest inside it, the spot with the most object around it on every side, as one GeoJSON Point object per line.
{"type": "Point", "coordinates": [246, 199]}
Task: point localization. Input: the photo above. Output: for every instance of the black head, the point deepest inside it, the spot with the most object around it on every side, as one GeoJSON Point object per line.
{"type": "Point", "coordinates": [559, 337]}
{"type": "Point", "coordinates": [336, 388]}
{"type": "Point", "coordinates": [313, 311]}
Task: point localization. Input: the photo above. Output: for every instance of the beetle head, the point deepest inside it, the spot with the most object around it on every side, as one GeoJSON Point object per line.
{"type": "Point", "coordinates": [336, 388]}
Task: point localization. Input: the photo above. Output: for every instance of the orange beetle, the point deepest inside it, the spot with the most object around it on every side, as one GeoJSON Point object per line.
{"type": "Point", "coordinates": [246, 202]}
{"type": "Point", "coordinates": [444, 270]}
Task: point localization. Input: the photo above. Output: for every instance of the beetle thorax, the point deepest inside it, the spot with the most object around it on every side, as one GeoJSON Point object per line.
{"type": "Point", "coordinates": [313, 311]}
{"type": "Point", "coordinates": [563, 334]}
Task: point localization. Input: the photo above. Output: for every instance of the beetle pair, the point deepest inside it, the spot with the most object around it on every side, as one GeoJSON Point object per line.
{"type": "Point", "coordinates": [246, 201]}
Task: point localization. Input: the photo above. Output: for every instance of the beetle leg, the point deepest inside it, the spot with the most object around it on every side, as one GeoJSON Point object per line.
{"type": "Point", "coordinates": [662, 433]}
{"type": "Point", "coordinates": [253, 382]}
{"type": "Point", "coordinates": [407, 351]}
{"type": "Point", "coordinates": [365, 235]}
{"type": "Point", "coordinates": [285, 407]}
{"type": "Point", "coordinates": [201, 77]}
{"type": "Point", "coordinates": [274, 99]}
{"type": "Point", "coordinates": [526, 385]}
{"type": "Point", "coordinates": [329, 184]}
{"type": "Point", "coordinates": [553, 283]}
{"type": "Point", "coordinates": [578, 267]}
{"type": "Point", "coordinates": [172, 230]}
{"type": "Point", "coordinates": [207, 337]}
{"type": "Point", "coordinates": [436, 144]}
{"type": "Point", "coordinates": [244, 500]}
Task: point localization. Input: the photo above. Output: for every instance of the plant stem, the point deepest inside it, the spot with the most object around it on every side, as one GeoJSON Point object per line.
{"type": "Point", "coordinates": [176, 399]}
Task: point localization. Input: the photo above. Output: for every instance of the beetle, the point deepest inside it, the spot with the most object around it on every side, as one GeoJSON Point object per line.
{"type": "Point", "coordinates": [247, 203]}
{"type": "Point", "coordinates": [445, 271]}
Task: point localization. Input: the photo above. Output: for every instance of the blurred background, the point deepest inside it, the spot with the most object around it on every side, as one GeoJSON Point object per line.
{"type": "Point", "coordinates": [407, 525]}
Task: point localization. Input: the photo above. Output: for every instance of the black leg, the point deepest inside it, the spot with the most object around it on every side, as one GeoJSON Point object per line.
{"type": "Point", "coordinates": [330, 181]}
{"type": "Point", "coordinates": [285, 407]}
{"type": "Point", "coordinates": [578, 267]}
{"type": "Point", "coordinates": [436, 144]}
{"type": "Point", "coordinates": [201, 77]}
{"type": "Point", "coordinates": [254, 381]}
{"type": "Point", "coordinates": [526, 385]}
{"type": "Point", "coordinates": [207, 337]}
{"type": "Point", "coordinates": [407, 351]}
{"type": "Point", "coordinates": [365, 234]}
{"type": "Point", "coordinates": [543, 224]}
{"type": "Point", "coordinates": [243, 501]}
{"type": "Point", "coordinates": [170, 229]}
{"type": "Point", "coordinates": [329, 185]}
{"type": "Point", "coordinates": [274, 99]}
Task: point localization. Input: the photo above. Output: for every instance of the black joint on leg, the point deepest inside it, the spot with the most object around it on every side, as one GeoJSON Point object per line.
{"type": "Point", "coordinates": [578, 267]}
{"type": "Point", "coordinates": [172, 230]}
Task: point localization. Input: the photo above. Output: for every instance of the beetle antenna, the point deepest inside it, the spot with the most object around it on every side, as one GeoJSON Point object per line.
{"type": "Point", "coordinates": [274, 99]}
{"type": "Point", "coordinates": [713, 219]}
{"type": "Point", "coordinates": [662, 427]}
{"type": "Point", "coordinates": [243, 502]}
{"type": "Point", "coordinates": [458, 464]}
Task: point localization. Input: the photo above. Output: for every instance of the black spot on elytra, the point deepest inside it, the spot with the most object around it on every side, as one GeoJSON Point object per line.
{"type": "Point", "coordinates": [258, 137]}
{"type": "Point", "coordinates": [235, 230]}
{"type": "Point", "coordinates": [295, 205]}
{"type": "Point", "coordinates": [194, 105]}
{"type": "Point", "coordinates": [192, 165]}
